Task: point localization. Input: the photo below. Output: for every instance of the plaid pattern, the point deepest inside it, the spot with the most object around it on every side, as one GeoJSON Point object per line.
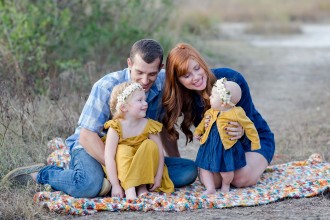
{"type": "Point", "coordinates": [96, 110]}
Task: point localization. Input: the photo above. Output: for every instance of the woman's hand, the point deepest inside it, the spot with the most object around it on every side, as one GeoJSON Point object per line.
{"type": "Point", "coordinates": [207, 121]}
{"type": "Point", "coordinates": [198, 137]}
{"type": "Point", "coordinates": [117, 191]}
{"type": "Point", "coordinates": [235, 130]}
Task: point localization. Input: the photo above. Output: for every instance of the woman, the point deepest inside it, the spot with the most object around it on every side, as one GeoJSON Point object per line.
{"type": "Point", "coordinates": [187, 90]}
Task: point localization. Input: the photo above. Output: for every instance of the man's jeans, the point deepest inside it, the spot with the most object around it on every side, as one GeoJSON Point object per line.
{"type": "Point", "coordinates": [85, 174]}
{"type": "Point", "coordinates": [84, 177]}
{"type": "Point", "coordinates": [182, 171]}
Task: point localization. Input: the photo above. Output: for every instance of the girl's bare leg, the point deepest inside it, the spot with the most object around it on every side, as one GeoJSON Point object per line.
{"type": "Point", "coordinates": [227, 178]}
{"type": "Point", "coordinates": [142, 189]}
{"type": "Point", "coordinates": [208, 181]}
{"type": "Point", "coordinates": [217, 180]}
{"type": "Point", "coordinates": [250, 174]}
{"type": "Point", "coordinates": [130, 193]}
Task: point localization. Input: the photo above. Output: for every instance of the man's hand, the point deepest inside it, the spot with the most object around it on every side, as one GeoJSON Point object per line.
{"type": "Point", "coordinates": [92, 144]}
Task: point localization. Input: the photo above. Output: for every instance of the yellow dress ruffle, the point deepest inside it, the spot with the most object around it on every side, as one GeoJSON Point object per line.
{"type": "Point", "coordinates": [137, 157]}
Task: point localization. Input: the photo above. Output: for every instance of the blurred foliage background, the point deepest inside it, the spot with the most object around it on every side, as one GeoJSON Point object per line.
{"type": "Point", "coordinates": [82, 40]}
{"type": "Point", "coordinates": [41, 39]}
{"type": "Point", "coordinates": [51, 53]}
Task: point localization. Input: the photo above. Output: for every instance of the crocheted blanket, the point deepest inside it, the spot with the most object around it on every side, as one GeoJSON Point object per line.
{"type": "Point", "coordinates": [290, 180]}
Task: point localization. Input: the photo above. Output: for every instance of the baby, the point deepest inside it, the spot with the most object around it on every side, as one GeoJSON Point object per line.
{"type": "Point", "coordinates": [218, 156]}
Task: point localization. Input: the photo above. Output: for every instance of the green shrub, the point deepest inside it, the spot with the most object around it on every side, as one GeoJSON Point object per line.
{"type": "Point", "coordinates": [29, 34]}
{"type": "Point", "coordinates": [39, 39]}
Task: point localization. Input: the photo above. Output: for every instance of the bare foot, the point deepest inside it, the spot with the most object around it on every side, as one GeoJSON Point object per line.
{"type": "Point", "coordinates": [130, 193]}
{"type": "Point", "coordinates": [209, 191]}
{"type": "Point", "coordinates": [225, 188]}
{"type": "Point", "coordinates": [141, 190]}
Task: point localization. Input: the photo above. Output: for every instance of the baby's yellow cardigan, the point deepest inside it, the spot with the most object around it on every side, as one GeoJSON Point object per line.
{"type": "Point", "coordinates": [236, 114]}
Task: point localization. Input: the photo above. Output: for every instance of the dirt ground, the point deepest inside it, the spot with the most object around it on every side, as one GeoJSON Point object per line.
{"type": "Point", "coordinates": [290, 86]}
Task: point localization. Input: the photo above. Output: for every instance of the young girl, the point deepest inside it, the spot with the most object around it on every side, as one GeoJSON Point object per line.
{"type": "Point", "coordinates": [217, 152]}
{"type": "Point", "coordinates": [134, 157]}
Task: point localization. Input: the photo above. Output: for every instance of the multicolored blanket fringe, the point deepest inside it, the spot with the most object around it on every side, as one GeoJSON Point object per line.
{"type": "Point", "coordinates": [291, 180]}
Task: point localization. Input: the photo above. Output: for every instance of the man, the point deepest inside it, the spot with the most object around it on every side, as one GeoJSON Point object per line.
{"type": "Point", "coordinates": [85, 176]}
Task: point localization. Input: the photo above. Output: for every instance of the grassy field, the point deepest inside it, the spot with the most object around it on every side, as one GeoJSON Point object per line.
{"type": "Point", "coordinates": [296, 108]}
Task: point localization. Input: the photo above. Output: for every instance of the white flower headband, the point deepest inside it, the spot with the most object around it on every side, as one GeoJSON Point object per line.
{"type": "Point", "coordinates": [223, 92]}
{"type": "Point", "coordinates": [121, 99]}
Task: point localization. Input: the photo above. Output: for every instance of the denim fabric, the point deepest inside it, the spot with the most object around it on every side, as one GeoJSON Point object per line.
{"type": "Point", "coordinates": [96, 110]}
{"type": "Point", "coordinates": [266, 136]}
{"type": "Point", "coordinates": [84, 177]}
{"type": "Point", "coordinates": [181, 171]}
{"type": "Point", "coordinates": [212, 156]}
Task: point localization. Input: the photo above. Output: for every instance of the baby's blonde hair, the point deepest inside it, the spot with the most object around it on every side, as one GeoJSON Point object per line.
{"type": "Point", "coordinates": [116, 91]}
{"type": "Point", "coordinates": [235, 91]}
{"type": "Point", "coordinates": [228, 91]}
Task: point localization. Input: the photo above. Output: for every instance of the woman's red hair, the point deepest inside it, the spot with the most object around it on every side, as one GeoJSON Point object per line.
{"type": "Point", "coordinates": [177, 99]}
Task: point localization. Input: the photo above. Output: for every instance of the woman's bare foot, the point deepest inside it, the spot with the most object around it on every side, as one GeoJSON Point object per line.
{"type": "Point", "coordinates": [141, 190]}
{"type": "Point", "coordinates": [130, 193]}
{"type": "Point", "coordinates": [209, 191]}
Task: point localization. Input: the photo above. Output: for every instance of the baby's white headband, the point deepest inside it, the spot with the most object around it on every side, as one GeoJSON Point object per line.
{"type": "Point", "coordinates": [222, 91]}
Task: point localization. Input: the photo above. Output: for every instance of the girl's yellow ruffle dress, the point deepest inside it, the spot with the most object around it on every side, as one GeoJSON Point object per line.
{"type": "Point", "coordinates": [137, 157]}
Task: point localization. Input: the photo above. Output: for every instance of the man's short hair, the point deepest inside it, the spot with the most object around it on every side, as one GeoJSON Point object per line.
{"type": "Point", "coordinates": [148, 49]}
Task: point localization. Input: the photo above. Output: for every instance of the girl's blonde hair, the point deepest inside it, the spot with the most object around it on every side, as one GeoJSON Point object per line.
{"type": "Point", "coordinates": [116, 92]}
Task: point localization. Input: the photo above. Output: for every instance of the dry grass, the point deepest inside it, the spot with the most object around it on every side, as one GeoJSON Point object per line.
{"type": "Point", "coordinates": [25, 129]}
{"type": "Point", "coordinates": [27, 123]}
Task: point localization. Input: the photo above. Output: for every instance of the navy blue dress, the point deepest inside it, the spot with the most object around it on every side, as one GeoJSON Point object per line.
{"type": "Point", "coordinates": [213, 157]}
{"type": "Point", "coordinates": [266, 136]}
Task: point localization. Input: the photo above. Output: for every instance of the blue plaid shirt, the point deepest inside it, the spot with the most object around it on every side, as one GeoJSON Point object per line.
{"type": "Point", "coordinates": [97, 111]}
